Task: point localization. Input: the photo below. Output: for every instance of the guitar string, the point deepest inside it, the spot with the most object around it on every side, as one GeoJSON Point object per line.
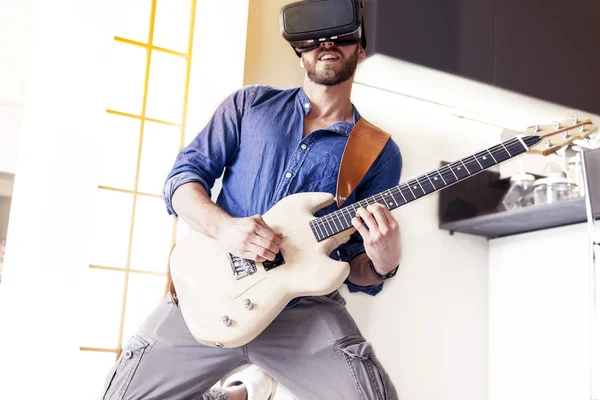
{"type": "Point", "coordinates": [445, 172]}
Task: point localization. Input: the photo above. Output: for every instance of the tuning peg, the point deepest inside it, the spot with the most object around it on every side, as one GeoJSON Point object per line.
{"type": "Point", "coordinates": [575, 119]}
{"type": "Point", "coordinates": [582, 129]}
{"type": "Point", "coordinates": [558, 125]}
{"type": "Point", "coordinates": [537, 128]}
{"type": "Point", "coordinates": [566, 134]}
{"type": "Point", "coordinates": [548, 143]}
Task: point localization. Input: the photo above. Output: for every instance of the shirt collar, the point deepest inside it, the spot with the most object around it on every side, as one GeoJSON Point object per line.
{"type": "Point", "coordinates": [343, 128]}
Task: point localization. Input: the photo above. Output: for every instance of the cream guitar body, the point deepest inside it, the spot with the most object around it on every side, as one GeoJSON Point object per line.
{"type": "Point", "coordinates": [227, 301]}
{"type": "Point", "coordinates": [223, 309]}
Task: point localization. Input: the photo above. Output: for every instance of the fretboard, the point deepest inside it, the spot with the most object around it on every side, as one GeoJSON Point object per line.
{"type": "Point", "coordinates": [411, 190]}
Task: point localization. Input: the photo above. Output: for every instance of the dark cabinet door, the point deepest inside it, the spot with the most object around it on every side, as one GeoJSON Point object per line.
{"type": "Point", "coordinates": [454, 36]}
{"type": "Point", "coordinates": [549, 49]}
{"type": "Point", "coordinates": [423, 32]}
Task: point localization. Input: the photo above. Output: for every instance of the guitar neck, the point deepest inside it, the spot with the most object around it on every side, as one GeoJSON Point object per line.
{"type": "Point", "coordinates": [414, 189]}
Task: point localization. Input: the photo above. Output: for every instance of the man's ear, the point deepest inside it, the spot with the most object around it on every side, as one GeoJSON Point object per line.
{"type": "Point", "coordinates": [362, 54]}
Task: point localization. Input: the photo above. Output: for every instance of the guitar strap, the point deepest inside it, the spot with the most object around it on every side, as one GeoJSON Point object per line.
{"type": "Point", "coordinates": [364, 145]}
{"type": "Point", "coordinates": [362, 148]}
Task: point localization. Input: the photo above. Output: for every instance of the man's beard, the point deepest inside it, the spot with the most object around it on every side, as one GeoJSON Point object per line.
{"type": "Point", "coordinates": [328, 76]}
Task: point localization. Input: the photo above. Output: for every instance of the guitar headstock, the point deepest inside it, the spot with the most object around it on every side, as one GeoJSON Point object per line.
{"type": "Point", "coordinates": [559, 134]}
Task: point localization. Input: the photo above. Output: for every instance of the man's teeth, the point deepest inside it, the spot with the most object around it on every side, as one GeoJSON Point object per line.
{"type": "Point", "coordinates": [328, 57]}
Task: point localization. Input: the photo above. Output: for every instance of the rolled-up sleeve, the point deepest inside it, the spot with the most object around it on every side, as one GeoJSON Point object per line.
{"type": "Point", "coordinates": [386, 176]}
{"type": "Point", "coordinates": [204, 159]}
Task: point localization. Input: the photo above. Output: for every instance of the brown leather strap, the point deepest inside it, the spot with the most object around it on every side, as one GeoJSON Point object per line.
{"type": "Point", "coordinates": [364, 145]}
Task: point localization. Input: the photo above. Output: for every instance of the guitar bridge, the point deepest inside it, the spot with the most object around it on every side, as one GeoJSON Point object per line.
{"type": "Point", "coordinates": [241, 267]}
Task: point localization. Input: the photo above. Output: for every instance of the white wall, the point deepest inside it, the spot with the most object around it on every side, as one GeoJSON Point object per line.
{"type": "Point", "coordinates": [53, 201]}
{"type": "Point", "coordinates": [16, 18]}
{"type": "Point", "coordinates": [269, 58]}
{"type": "Point", "coordinates": [539, 315]}
{"type": "Point", "coordinates": [211, 82]}
{"type": "Point", "coordinates": [429, 324]}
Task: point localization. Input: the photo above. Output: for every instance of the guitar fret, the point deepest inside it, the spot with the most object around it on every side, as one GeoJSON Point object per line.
{"type": "Point", "coordinates": [347, 217]}
{"type": "Point", "coordinates": [413, 193]}
{"type": "Point", "coordinates": [477, 161]}
{"type": "Point", "coordinates": [453, 172]}
{"type": "Point", "coordinates": [400, 190]}
{"type": "Point", "coordinates": [314, 230]}
{"type": "Point", "coordinates": [324, 226]}
{"type": "Point", "coordinates": [486, 162]}
{"type": "Point", "coordinates": [345, 223]}
{"type": "Point", "coordinates": [430, 181]}
{"type": "Point", "coordinates": [442, 176]}
{"type": "Point", "coordinates": [393, 198]}
{"type": "Point", "coordinates": [330, 228]}
{"type": "Point", "coordinates": [501, 153]}
{"type": "Point", "coordinates": [334, 224]}
{"type": "Point", "coordinates": [472, 161]}
{"type": "Point", "coordinates": [318, 226]}
{"type": "Point", "coordinates": [469, 172]}
{"type": "Point", "coordinates": [341, 219]}
{"type": "Point", "coordinates": [424, 192]}
{"type": "Point", "coordinates": [385, 202]}
{"type": "Point", "coordinates": [342, 223]}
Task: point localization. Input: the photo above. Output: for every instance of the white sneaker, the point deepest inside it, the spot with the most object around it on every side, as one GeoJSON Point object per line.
{"type": "Point", "coordinates": [259, 384]}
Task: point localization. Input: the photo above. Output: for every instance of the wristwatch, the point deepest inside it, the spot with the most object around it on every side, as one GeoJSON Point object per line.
{"type": "Point", "coordinates": [382, 277]}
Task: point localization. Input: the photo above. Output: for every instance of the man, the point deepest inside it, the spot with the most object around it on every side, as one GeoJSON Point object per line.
{"type": "Point", "coordinates": [271, 143]}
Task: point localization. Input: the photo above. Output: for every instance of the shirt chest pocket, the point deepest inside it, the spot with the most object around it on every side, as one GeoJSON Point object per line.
{"type": "Point", "coordinates": [321, 172]}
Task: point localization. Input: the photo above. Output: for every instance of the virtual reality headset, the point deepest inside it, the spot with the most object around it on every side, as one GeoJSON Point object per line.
{"type": "Point", "coordinates": [306, 24]}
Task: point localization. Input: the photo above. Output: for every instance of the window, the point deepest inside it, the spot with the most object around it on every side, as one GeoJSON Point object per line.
{"type": "Point", "coordinates": [133, 235]}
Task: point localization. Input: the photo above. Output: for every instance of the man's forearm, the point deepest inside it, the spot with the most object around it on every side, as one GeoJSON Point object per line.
{"type": "Point", "coordinates": [193, 205]}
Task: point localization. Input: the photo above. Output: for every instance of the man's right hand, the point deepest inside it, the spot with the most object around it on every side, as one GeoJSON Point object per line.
{"type": "Point", "coordinates": [250, 238]}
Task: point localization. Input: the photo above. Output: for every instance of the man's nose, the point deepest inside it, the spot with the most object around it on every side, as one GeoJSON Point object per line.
{"type": "Point", "coordinates": [327, 44]}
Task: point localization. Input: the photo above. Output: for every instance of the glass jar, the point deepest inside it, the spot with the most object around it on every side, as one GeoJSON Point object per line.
{"type": "Point", "coordinates": [520, 193]}
{"type": "Point", "coordinates": [556, 187]}
{"type": "Point", "coordinates": [575, 172]}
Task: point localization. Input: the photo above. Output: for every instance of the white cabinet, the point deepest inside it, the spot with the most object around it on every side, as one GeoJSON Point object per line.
{"type": "Point", "coordinates": [539, 344]}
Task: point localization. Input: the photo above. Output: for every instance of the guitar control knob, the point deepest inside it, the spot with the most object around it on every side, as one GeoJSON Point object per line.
{"type": "Point", "coordinates": [225, 320]}
{"type": "Point", "coordinates": [247, 304]}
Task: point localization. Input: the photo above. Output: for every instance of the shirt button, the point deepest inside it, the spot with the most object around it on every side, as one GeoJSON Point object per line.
{"type": "Point", "coordinates": [303, 146]}
{"type": "Point", "coordinates": [288, 175]}
{"type": "Point", "coordinates": [306, 105]}
{"type": "Point", "coordinates": [128, 354]}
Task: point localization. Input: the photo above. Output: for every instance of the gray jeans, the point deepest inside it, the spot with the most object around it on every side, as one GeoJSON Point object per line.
{"type": "Point", "coordinates": [313, 349]}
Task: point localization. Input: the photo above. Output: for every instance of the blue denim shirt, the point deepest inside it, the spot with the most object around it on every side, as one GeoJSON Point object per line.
{"type": "Point", "coordinates": [255, 139]}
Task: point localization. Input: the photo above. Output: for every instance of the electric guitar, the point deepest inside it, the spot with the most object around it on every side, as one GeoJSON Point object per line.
{"type": "Point", "coordinates": [226, 301]}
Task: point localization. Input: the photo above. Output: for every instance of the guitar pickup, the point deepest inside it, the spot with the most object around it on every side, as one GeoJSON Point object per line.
{"type": "Point", "coordinates": [278, 261]}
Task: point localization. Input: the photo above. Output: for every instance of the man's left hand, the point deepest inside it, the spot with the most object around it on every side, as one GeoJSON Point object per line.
{"type": "Point", "coordinates": [381, 239]}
